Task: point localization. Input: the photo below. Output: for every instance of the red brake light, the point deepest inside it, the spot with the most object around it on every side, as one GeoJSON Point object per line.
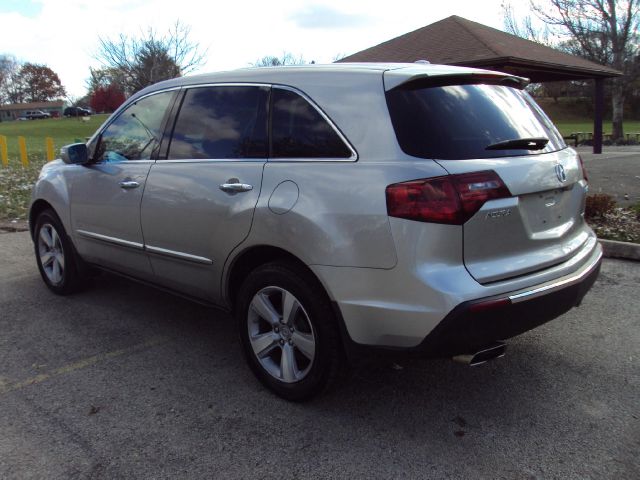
{"type": "Point", "coordinates": [453, 199]}
{"type": "Point", "coordinates": [584, 170]}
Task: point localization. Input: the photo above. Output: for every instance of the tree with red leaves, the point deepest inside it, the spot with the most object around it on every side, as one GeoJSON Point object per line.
{"type": "Point", "coordinates": [106, 99]}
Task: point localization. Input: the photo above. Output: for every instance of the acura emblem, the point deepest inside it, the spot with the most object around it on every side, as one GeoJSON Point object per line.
{"type": "Point", "coordinates": [560, 173]}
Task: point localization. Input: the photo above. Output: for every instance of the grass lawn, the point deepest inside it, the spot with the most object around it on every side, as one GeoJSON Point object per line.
{"type": "Point", "coordinates": [62, 130]}
{"type": "Point", "coordinates": [569, 127]}
{"type": "Point", "coordinates": [16, 181]}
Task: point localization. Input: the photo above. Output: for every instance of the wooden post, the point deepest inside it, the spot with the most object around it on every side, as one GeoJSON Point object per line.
{"type": "Point", "coordinates": [22, 145]}
{"type": "Point", "coordinates": [3, 151]}
{"type": "Point", "coordinates": [51, 154]}
{"type": "Point", "coordinates": [599, 113]}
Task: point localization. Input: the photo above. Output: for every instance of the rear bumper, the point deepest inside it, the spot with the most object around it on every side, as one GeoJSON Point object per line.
{"type": "Point", "coordinates": [484, 315]}
{"type": "Point", "coordinates": [475, 324]}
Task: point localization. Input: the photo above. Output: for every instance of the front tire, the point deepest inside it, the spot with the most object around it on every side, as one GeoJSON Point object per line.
{"type": "Point", "coordinates": [56, 257]}
{"type": "Point", "coordinates": [288, 331]}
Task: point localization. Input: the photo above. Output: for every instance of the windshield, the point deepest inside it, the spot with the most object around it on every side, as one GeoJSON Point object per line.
{"type": "Point", "coordinates": [458, 122]}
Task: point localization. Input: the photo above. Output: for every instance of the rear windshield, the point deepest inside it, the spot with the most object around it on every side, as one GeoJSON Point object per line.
{"type": "Point", "coordinates": [458, 122]}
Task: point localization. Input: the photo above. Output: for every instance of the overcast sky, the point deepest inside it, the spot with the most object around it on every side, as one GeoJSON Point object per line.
{"type": "Point", "coordinates": [63, 33]}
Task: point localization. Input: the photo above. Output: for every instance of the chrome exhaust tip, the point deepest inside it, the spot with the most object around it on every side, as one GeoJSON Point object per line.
{"type": "Point", "coordinates": [483, 355]}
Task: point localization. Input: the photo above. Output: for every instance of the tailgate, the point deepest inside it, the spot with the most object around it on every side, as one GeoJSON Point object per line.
{"type": "Point", "coordinates": [541, 225]}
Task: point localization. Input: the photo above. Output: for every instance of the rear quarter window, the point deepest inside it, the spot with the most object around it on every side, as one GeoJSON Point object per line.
{"type": "Point", "coordinates": [458, 122]}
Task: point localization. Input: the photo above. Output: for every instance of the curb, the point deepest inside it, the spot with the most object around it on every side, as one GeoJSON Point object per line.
{"type": "Point", "coordinates": [625, 250]}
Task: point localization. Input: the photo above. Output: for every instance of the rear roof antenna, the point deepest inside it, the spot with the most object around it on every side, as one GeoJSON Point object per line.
{"type": "Point", "coordinates": [424, 62]}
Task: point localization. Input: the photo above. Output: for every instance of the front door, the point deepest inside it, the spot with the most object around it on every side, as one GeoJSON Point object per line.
{"type": "Point", "coordinates": [106, 193]}
{"type": "Point", "coordinates": [198, 202]}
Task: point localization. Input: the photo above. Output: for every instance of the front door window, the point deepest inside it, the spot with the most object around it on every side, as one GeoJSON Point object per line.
{"type": "Point", "coordinates": [136, 133]}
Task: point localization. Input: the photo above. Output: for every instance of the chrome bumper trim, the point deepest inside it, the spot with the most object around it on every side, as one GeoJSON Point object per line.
{"type": "Point", "coordinates": [557, 285]}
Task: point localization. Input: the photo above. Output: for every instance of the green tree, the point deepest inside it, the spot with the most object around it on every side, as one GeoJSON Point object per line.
{"type": "Point", "coordinates": [103, 77]}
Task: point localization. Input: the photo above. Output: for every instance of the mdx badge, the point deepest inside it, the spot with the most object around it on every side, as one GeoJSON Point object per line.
{"type": "Point", "coordinates": [560, 173]}
{"type": "Point", "coordinates": [505, 212]}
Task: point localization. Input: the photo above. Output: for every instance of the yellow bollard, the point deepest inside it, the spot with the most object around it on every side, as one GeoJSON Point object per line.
{"type": "Point", "coordinates": [3, 151]}
{"type": "Point", "coordinates": [22, 144]}
{"type": "Point", "coordinates": [51, 154]}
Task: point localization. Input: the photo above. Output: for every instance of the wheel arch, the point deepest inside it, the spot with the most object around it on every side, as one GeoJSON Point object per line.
{"type": "Point", "coordinates": [253, 257]}
{"type": "Point", "coordinates": [36, 209]}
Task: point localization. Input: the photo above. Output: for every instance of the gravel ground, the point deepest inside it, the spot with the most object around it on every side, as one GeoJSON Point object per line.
{"type": "Point", "coordinates": [123, 381]}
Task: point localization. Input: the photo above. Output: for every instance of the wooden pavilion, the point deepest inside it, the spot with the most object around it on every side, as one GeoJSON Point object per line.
{"type": "Point", "coordinates": [458, 41]}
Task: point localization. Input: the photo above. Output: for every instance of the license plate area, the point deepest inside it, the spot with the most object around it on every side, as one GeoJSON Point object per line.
{"type": "Point", "coordinates": [547, 210]}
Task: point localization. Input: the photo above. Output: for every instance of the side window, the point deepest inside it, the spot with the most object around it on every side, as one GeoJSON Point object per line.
{"type": "Point", "coordinates": [298, 130]}
{"type": "Point", "coordinates": [221, 122]}
{"type": "Point", "coordinates": [136, 133]}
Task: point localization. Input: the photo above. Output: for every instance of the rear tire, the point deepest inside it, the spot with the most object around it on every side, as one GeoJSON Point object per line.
{"type": "Point", "coordinates": [60, 266]}
{"type": "Point", "coordinates": [288, 331]}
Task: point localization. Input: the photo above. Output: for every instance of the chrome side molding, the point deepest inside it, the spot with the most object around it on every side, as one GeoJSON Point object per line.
{"type": "Point", "coordinates": [148, 248]}
{"type": "Point", "coordinates": [179, 255]}
{"type": "Point", "coordinates": [105, 238]}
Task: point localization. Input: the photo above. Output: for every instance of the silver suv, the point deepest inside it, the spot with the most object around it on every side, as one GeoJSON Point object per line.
{"type": "Point", "coordinates": [334, 209]}
{"type": "Point", "coordinates": [36, 115]}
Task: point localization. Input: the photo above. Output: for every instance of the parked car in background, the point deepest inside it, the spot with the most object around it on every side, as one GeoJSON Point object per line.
{"type": "Point", "coordinates": [76, 112]}
{"type": "Point", "coordinates": [36, 115]}
{"type": "Point", "coordinates": [333, 209]}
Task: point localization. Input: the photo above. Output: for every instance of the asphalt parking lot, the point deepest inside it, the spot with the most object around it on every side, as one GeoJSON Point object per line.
{"type": "Point", "coordinates": [615, 172]}
{"type": "Point", "coordinates": [123, 381]}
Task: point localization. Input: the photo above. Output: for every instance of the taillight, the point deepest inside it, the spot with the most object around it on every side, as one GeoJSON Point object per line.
{"type": "Point", "coordinates": [453, 199]}
{"type": "Point", "coordinates": [584, 170]}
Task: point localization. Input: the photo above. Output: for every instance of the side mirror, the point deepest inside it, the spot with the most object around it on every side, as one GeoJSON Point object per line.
{"type": "Point", "coordinates": [76, 153]}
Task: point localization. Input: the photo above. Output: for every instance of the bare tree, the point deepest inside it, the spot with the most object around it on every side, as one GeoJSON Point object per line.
{"type": "Point", "coordinates": [524, 27]}
{"type": "Point", "coordinates": [287, 58]}
{"type": "Point", "coordinates": [10, 85]}
{"type": "Point", "coordinates": [604, 31]}
{"type": "Point", "coordinates": [137, 62]}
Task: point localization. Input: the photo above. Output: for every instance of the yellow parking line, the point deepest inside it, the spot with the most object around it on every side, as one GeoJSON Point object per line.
{"type": "Point", "coordinates": [6, 387]}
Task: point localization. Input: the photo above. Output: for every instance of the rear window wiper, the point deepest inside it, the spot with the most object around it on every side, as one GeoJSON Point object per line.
{"type": "Point", "coordinates": [536, 143]}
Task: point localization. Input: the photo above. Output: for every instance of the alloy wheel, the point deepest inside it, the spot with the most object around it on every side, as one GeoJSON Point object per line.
{"type": "Point", "coordinates": [281, 334]}
{"type": "Point", "coordinates": [51, 253]}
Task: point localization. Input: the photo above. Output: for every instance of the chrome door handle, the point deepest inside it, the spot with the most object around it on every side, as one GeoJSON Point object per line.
{"type": "Point", "coordinates": [128, 184]}
{"type": "Point", "coordinates": [236, 187]}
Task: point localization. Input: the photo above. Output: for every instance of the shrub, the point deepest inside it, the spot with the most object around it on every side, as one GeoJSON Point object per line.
{"type": "Point", "coordinates": [599, 205]}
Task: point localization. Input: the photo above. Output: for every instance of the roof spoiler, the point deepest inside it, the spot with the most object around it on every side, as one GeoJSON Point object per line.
{"type": "Point", "coordinates": [398, 78]}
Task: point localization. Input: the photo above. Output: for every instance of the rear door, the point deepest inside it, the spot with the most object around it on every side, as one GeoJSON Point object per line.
{"type": "Point", "coordinates": [199, 201]}
{"type": "Point", "coordinates": [468, 125]}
